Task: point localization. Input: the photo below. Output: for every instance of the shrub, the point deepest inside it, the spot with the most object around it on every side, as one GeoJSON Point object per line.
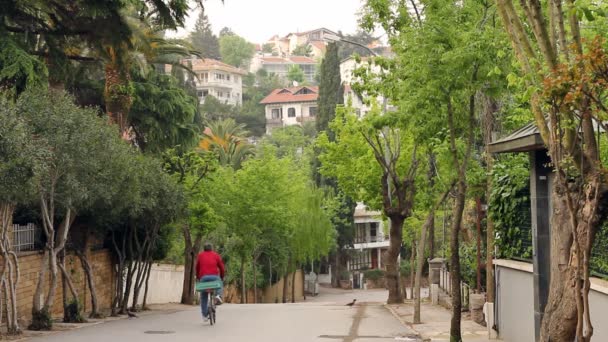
{"type": "Point", "coordinates": [374, 274]}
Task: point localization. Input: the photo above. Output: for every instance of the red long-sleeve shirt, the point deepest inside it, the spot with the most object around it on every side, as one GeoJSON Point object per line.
{"type": "Point", "coordinates": [209, 263]}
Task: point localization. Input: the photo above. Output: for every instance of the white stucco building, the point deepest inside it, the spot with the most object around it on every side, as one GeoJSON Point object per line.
{"type": "Point", "coordinates": [217, 79]}
{"type": "Point", "coordinates": [280, 65]}
{"type": "Point", "coordinates": [290, 106]}
{"type": "Point", "coordinates": [284, 46]}
{"type": "Point", "coordinates": [369, 239]}
{"type": "Point", "coordinates": [347, 68]}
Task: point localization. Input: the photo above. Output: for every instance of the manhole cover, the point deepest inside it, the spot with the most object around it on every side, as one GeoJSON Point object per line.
{"type": "Point", "coordinates": [159, 332]}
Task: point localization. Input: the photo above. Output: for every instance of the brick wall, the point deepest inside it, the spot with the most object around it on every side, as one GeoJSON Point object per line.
{"type": "Point", "coordinates": [29, 264]}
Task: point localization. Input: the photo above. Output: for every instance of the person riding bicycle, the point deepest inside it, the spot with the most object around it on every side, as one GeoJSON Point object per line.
{"type": "Point", "coordinates": [209, 267]}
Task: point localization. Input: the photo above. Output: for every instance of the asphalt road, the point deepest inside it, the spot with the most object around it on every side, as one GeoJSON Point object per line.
{"type": "Point", "coordinates": [323, 318]}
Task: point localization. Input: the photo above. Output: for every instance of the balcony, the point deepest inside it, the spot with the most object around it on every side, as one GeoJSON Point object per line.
{"type": "Point", "coordinates": [372, 242]}
{"type": "Point", "coordinates": [302, 119]}
{"type": "Point", "coordinates": [274, 122]}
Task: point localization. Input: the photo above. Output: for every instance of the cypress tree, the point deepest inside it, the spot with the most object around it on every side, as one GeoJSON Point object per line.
{"type": "Point", "coordinates": [203, 39]}
{"type": "Point", "coordinates": [331, 92]}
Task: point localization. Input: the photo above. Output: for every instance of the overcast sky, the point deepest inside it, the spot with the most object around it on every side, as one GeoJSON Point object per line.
{"type": "Point", "coordinates": [258, 20]}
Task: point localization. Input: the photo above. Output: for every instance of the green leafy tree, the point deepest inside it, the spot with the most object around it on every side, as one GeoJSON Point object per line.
{"type": "Point", "coordinates": [163, 114]}
{"type": "Point", "coordinates": [226, 139]}
{"type": "Point", "coordinates": [295, 74]}
{"type": "Point", "coordinates": [235, 50]}
{"type": "Point", "coordinates": [203, 39]}
{"type": "Point", "coordinates": [330, 88]}
{"type": "Point", "coordinates": [348, 49]}
{"type": "Point", "coordinates": [226, 31]}
{"type": "Point", "coordinates": [330, 96]}
{"type": "Point", "coordinates": [268, 48]}
{"type": "Point", "coordinates": [449, 43]}
{"type": "Point", "coordinates": [302, 50]}
{"type": "Point", "coordinates": [374, 161]}
{"type": "Point", "coordinates": [17, 160]}
{"type": "Point", "coordinates": [18, 69]}
{"type": "Point", "coordinates": [191, 171]}
{"type": "Point", "coordinates": [75, 145]}
{"type": "Point", "coordinates": [558, 68]}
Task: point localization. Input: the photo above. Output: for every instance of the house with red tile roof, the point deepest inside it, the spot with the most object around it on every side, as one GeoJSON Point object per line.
{"type": "Point", "coordinates": [290, 106]}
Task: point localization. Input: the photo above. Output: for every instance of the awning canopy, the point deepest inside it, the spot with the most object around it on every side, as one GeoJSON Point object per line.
{"type": "Point", "coordinates": [525, 139]}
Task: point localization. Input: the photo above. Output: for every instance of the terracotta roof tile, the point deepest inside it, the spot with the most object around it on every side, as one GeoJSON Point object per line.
{"type": "Point", "coordinates": [287, 95]}
{"type": "Point", "coordinates": [273, 60]}
{"type": "Point", "coordinates": [319, 45]}
{"type": "Point", "coordinates": [210, 64]}
{"type": "Point", "coordinates": [302, 60]}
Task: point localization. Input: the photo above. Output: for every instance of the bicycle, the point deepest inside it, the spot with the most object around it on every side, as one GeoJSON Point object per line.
{"type": "Point", "coordinates": [209, 288]}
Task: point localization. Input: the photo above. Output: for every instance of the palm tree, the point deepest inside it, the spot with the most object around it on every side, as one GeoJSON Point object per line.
{"type": "Point", "coordinates": [226, 138]}
{"type": "Point", "coordinates": [144, 48]}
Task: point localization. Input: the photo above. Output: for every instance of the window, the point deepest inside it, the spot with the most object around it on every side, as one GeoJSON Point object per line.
{"type": "Point", "coordinates": [276, 113]}
{"type": "Point", "coordinates": [199, 93]}
{"type": "Point", "coordinates": [373, 231]}
{"type": "Point", "coordinates": [291, 112]}
{"type": "Point", "coordinates": [220, 94]}
{"type": "Point", "coordinates": [228, 94]}
{"type": "Point", "coordinates": [360, 236]}
{"type": "Point", "coordinates": [361, 260]}
{"type": "Point", "coordinates": [205, 92]}
{"type": "Point", "coordinates": [312, 111]}
{"type": "Point", "coordinates": [228, 77]}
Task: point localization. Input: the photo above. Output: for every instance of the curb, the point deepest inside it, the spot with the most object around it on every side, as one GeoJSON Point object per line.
{"type": "Point", "coordinates": [405, 323]}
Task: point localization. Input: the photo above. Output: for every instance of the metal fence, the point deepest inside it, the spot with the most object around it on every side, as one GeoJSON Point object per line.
{"type": "Point", "coordinates": [445, 283]}
{"type": "Point", "coordinates": [24, 237]}
{"type": "Point", "coordinates": [599, 254]}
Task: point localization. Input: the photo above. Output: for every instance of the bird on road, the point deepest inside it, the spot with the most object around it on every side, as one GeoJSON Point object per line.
{"type": "Point", "coordinates": [351, 303]}
{"type": "Point", "coordinates": [131, 315]}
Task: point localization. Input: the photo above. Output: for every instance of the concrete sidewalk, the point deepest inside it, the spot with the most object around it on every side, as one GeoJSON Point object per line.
{"type": "Point", "coordinates": [435, 325]}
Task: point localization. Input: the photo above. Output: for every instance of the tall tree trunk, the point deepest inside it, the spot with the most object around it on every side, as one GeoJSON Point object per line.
{"type": "Point", "coordinates": [9, 278]}
{"type": "Point", "coordinates": [420, 260]}
{"type": "Point", "coordinates": [144, 305]}
{"type": "Point", "coordinates": [455, 332]}
{"type": "Point", "coordinates": [490, 282]}
{"type": "Point", "coordinates": [120, 271]}
{"type": "Point", "coordinates": [243, 283]}
{"type": "Point", "coordinates": [118, 97]}
{"type": "Point", "coordinates": [561, 314]}
{"type": "Point", "coordinates": [478, 242]}
{"type": "Point", "coordinates": [293, 286]}
{"type": "Point", "coordinates": [432, 235]}
{"type": "Point", "coordinates": [304, 281]}
{"type": "Point", "coordinates": [489, 127]}
{"type": "Point", "coordinates": [128, 286]}
{"type": "Point", "coordinates": [392, 260]}
{"type": "Point", "coordinates": [192, 249]}
{"type": "Point", "coordinates": [412, 269]}
{"type": "Point", "coordinates": [286, 280]}
{"type": "Point", "coordinates": [255, 280]}
{"type": "Point", "coordinates": [335, 277]}
{"type": "Point", "coordinates": [86, 266]}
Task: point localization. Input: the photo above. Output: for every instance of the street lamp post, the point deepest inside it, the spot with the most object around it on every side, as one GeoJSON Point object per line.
{"type": "Point", "coordinates": [332, 38]}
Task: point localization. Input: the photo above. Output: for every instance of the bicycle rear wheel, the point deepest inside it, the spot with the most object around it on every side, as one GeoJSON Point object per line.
{"type": "Point", "coordinates": [211, 308]}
